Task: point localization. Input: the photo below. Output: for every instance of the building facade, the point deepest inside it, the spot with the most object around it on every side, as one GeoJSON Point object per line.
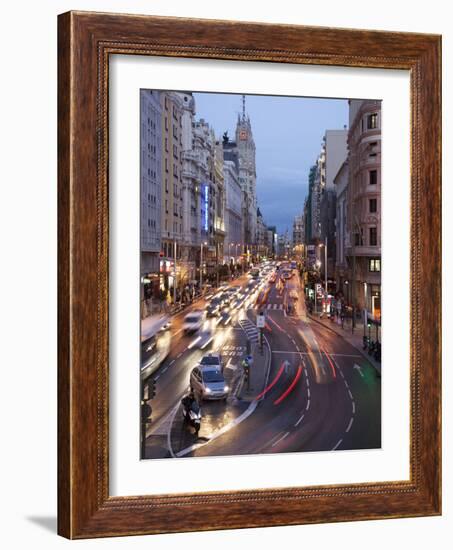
{"type": "Point", "coordinates": [233, 205]}
{"type": "Point", "coordinates": [363, 219]}
{"type": "Point", "coordinates": [150, 191]}
{"type": "Point", "coordinates": [247, 176]}
{"type": "Point", "coordinates": [341, 181]}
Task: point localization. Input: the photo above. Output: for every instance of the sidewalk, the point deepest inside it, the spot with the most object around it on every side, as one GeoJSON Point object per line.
{"type": "Point", "coordinates": [356, 339]}
{"type": "Point", "coordinates": [259, 374]}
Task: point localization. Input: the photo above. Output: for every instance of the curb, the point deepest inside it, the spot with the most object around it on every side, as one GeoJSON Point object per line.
{"type": "Point", "coordinates": [373, 362]}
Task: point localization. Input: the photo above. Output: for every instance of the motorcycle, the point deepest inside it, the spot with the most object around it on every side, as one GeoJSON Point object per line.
{"type": "Point", "coordinates": [377, 352]}
{"type": "Point", "coordinates": [192, 414]}
{"type": "Point", "coordinates": [366, 342]}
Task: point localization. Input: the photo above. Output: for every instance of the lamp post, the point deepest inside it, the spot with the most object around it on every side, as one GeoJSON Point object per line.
{"type": "Point", "coordinates": [201, 265]}
{"type": "Point", "coordinates": [174, 267]}
{"type": "Point", "coordinates": [325, 270]}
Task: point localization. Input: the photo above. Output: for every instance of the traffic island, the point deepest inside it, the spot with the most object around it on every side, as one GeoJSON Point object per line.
{"type": "Point", "coordinates": [254, 378]}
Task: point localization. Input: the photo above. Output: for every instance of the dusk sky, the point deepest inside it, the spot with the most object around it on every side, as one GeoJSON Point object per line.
{"type": "Point", "coordinates": [288, 133]}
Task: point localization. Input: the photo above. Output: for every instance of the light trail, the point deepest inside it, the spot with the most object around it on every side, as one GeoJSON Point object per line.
{"type": "Point", "coordinates": [272, 384]}
{"type": "Point", "coordinates": [290, 387]}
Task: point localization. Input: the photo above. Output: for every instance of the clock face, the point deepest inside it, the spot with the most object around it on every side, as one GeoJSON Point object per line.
{"type": "Point", "coordinates": [243, 135]}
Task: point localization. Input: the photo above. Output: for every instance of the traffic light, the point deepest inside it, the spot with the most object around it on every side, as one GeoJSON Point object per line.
{"type": "Point", "coordinates": [151, 389]}
{"type": "Point", "coordinates": [248, 347]}
{"type": "Point", "coordinates": [146, 411]}
{"type": "Point", "coordinates": [246, 373]}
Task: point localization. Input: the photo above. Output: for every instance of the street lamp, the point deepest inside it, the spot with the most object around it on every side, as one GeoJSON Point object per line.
{"type": "Point", "coordinates": [325, 264]}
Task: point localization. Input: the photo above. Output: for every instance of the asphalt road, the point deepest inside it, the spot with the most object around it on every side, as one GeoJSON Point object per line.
{"type": "Point", "coordinates": [322, 393]}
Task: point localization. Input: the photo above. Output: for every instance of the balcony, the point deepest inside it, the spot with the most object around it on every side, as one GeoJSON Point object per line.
{"type": "Point", "coordinates": [370, 251]}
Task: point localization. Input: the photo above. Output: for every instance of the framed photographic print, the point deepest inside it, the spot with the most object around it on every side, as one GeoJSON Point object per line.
{"type": "Point", "coordinates": [249, 275]}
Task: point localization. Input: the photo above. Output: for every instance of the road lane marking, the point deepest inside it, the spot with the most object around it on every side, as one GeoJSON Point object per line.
{"type": "Point", "coordinates": [350, 424]}
{"type": "Point", "coordinates": [358, 368]}
{"type": "Point", "coordinates": [350, 395]}
{"type": "Point", "coordinates": [346, 384]}
{"type": "Point", "coordinates": [337, 445]}
{"type": "Point", "coordinates": [307, 381]}
{"type": "Point", "coordinates": [171, 362]}
{"type": "Point", "coordinates": [353, 407]}
{"type": "Point", "coordinates": [281, 439]}
{"type": "Point", "coordinates": [308, 405]}
{"type": "Point", "coordinates": [308, 392]}
{"type": "Point", "coordinates": [299, 421]}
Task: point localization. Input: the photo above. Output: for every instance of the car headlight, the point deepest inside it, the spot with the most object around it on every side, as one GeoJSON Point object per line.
{"type": "Point", "coordinates": [207, 390]}
{"type": "Point", "coordinates": [226, 388]}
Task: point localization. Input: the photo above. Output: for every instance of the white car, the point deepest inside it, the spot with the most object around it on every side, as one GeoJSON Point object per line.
{"type": "Point", "coordinates": [212, 360]}
{"type": "Point", "coordinates": [208, 382]}
{"type": "Point", "coordinates": [193, 321]}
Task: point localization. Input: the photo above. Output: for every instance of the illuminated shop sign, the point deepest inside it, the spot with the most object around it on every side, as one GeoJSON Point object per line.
{"type": "Point", "coordinates": [206, 208]}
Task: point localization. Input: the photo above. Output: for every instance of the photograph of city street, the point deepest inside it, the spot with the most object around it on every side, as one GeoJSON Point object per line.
{"type": "Point", "coordinates": [260, 281]}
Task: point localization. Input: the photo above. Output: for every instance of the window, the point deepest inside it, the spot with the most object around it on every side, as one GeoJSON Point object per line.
{"type": "Point", "coordinates": [374, 264]}
{"type": "Point", "coordinates": [166, 165]}
{"type": "Point", "coordinates": [166, 145]}
{"type": "Point", "coordinates": [358, 238]}
{"type": "Point", "coordinates": [371, 121]}
{"type": "Point", "coordinates": [373, 177]}
{"type": "Point", "coordinates": [373, 205]}
{"type": "Point", "coordinates": [373, 236]}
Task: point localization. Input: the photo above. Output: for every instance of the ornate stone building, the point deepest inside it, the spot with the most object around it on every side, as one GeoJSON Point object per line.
{"type": "Point", "coordinates": [363, 221]}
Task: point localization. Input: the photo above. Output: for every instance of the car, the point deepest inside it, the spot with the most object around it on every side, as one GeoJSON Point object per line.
{"type": "Point", "coordinates": [232, 291]}
{"type": "Point", "coordinates": [212, 359]}
{"type": "Point", "coordinates": [213, 308]}
{"type": "Point", "coordinates": [193, 321]}
{"type": "Point", "coordinates": [225, 298]}
{"type": "Point", "coordinates": [208, 382]}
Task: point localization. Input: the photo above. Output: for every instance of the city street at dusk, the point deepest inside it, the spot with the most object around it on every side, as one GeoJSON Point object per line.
{"type": "Point", "coordinates": [260, 280]}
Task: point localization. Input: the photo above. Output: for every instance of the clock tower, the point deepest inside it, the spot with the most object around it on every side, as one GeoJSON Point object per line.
{"type": "Point", "coordinates": [247, 174]}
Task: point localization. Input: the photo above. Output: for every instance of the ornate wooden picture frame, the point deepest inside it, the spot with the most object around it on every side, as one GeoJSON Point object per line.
{"type": "Point", "coordinates": [85, 41]}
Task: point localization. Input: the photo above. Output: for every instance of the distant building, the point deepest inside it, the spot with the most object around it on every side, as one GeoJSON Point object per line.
{"type": "Point", "coordinates": [298, 231]}
{"type": "Point", "coordinates": [342, 239]}
{"type": "Point", "coordinates": [261, 235]}
{"type": "Point", "coordinates": [272, 239]}
{"type": "Point", "coordinates": [335, 155]}
{"type": "Point", "coordinates": [233, 204]}
{"type": "Point", "coordinates": [284, 245]}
